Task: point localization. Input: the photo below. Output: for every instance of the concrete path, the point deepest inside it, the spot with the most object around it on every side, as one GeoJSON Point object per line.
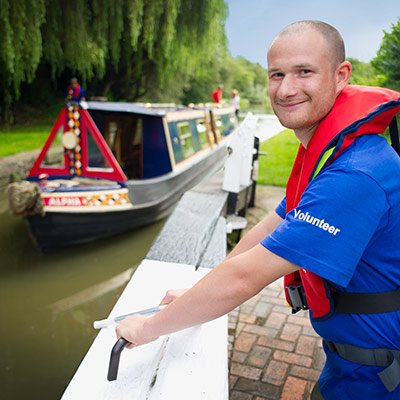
{"type": "Point", "coordinates": [273, 354]}
{"type": "Point", "coordinates": [268, 125]}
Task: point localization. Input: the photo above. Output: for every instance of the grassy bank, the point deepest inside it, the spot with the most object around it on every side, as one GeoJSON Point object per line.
{"type": "Point", "coordinates": [24, 138]}
{"type": "Point", "coordinates": [275, 167]}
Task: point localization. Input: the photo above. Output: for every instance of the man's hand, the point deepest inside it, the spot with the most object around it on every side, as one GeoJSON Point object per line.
{"type": "Point", "coordinates": [132, 329]}
{"type": "Point", "coordinates": [172, 295]}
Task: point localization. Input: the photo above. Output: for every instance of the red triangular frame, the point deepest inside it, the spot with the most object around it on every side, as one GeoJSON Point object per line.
{"type": "Point", "coordinates": [37, 168]}
{"type": "Point", "coordinates": [114, 172]}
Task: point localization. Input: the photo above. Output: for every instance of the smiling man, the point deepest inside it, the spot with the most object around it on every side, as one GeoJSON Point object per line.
{"type": "Point", "coordinates": [334, 236]}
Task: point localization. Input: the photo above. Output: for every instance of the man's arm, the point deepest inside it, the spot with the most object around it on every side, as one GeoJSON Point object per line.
{"type": "Point", "coordinates": [251, 239]}
{"type": "Point", "coordinates": [228, 285]}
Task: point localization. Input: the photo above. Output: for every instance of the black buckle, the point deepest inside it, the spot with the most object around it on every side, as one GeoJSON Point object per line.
{"type": "Point", "coordinates": [297, 297]}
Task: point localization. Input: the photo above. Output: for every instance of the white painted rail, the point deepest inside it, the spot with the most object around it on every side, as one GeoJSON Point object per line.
{"type": "Point", "coordinates": [238, 165]}
{"type": "Point", "coordinates": [190, 364]}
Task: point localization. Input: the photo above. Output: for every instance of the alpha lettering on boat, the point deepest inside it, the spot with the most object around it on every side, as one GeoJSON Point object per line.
{"type": "Point", "coordinates": [64, 202]}
{"type": "Point", "coordinates": [319, 223]}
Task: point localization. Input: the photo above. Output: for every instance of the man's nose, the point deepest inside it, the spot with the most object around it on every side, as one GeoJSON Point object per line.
{"type": "Point", "coordinates": [287, 87]}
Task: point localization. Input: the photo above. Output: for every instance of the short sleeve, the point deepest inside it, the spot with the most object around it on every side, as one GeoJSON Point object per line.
{"type": "Point", "coordinates": [335, 220]}
{"type": "Point", "coordinates": [281, 208]}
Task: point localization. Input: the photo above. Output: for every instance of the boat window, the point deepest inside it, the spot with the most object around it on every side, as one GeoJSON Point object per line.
{"type": "Point", "coordinates": [95, 157]}
{"type": "Point", "coordinates": [132, 148]}
{"type": "Point", "coordinates": [203, 133]}
{"type": "Point", "coordinates": [112, 134]}
{"type": "Point", "coordinates": [138, 132]}
{"type": "Point", "coordinates": [55, 154]}
{"type": "Point", "coordinates": [186, 139]}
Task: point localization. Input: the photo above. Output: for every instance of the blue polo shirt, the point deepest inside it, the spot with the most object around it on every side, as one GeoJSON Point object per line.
{"type": "Point", "coordinates": [81, 95]}
{"type": "Point", "coordinates": [346, 229]}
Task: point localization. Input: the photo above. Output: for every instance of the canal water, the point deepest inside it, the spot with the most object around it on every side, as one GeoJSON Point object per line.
{"type": "Point", "coordinates": [48, 303]}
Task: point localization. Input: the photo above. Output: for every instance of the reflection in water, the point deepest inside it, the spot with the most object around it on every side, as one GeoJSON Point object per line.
{"type": "Point", "coordinates": [49, 302]}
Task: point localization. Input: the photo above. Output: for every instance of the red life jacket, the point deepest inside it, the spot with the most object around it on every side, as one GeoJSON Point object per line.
{"type": "Point", "coordinates": [74, 93]}
{"type": "Point", "coordinates": [358, 110]}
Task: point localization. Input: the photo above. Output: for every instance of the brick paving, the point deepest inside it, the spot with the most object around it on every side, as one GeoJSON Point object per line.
{"type": "Point", "coordinates": [272, 353]}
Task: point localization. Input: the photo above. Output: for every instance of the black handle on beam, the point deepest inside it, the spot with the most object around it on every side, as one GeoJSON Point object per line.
{"type": "Point", "coordinates": [114, 359]}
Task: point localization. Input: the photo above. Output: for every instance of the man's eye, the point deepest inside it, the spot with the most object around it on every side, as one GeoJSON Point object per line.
{"type": "Point", "coordinates": [305, 71]}
{"type": "Point", "coordinates": [276, 75]}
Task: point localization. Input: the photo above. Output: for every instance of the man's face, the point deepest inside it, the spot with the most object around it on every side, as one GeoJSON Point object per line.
{"type": "Point", "coordinates": [302, 84]}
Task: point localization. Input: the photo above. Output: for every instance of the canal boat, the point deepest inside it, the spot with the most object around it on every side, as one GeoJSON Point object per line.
{"type": "Point", "coordinates": [120, 166]}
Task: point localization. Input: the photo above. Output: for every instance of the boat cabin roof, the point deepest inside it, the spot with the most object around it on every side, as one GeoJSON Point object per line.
{"type": "Point", "coordinates": [131, 108]}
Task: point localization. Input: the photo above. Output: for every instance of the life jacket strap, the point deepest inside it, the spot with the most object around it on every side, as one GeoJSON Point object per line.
{"type": "Point", "coordinates": [349, 303]}
{"type": "Point", "coordinates": [394, 135]}
{"type": "Point", "coordinates": [297, 297]}
{"type": "Point", "coordinates": [366, 303]}
{"type": "Point", "coordinates": [388, 358]}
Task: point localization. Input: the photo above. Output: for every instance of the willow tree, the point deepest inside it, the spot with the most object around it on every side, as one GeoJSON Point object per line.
{"type": "Point", "coordinates": [123, 47]}
{"type": "Point", "coordinates": [20, 47]}
{"type": "Point", "coordinates": [164, 44]}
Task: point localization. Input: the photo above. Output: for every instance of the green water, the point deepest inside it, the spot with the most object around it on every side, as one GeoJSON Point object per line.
{"type": "Point", "coordinates": [49, 302]}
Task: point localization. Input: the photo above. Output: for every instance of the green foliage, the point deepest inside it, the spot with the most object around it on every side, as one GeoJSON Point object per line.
{"type": "Point", "coordinates": [275, 167]}
{"type": "Point", "coordinates": [387, 60]}
{"type": "Point", "coordinates": [165, 42]}
{"type": "Point", "coordinates": [124, 48]}
{"type": "Point", "coordinates": [362, 73]}
{"type": "Point", "coordinates": [250, 79]}
{"type": "Point", "coordinates": [20, 47]}
{"type": "Point", "coordinates": [132, 50]}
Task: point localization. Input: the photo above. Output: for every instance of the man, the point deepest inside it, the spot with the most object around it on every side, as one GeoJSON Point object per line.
{"type": "Point", "coordinates": [235, 101]}
{"type": "Point", "coordinates": [217, 94]}
{"type": "Point", "coordinates": [336, 231]}
{"type": "Point", "coordinates": [75, 92]}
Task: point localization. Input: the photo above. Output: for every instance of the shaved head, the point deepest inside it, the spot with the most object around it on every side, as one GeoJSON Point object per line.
{"type": "Point", "coordinates": [333, 39]}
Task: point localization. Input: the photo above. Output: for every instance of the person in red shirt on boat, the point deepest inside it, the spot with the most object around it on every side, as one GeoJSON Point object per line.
{"type": "Point", "coordinates": [337, 229]}
{"type": "Point", "coordinates": [75, 92]}
{"type": "Point", "coordinates": [217, 94]}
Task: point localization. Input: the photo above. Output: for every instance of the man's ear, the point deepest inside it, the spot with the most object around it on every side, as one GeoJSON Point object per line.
{"type": "Point", "coordinates": [343, 73]}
